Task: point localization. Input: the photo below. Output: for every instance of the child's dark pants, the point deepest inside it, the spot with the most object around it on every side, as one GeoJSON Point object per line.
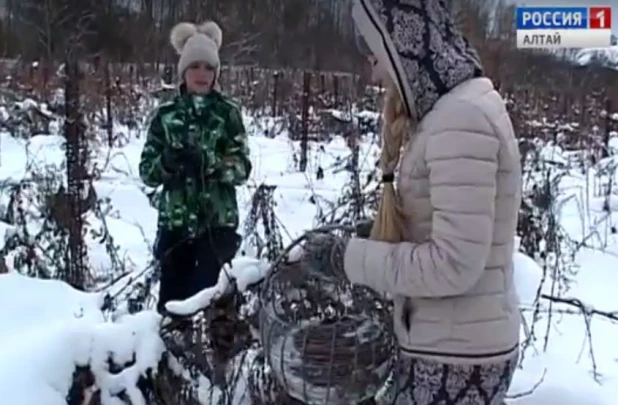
{"type": "Point", "coordinates": [188, 265]}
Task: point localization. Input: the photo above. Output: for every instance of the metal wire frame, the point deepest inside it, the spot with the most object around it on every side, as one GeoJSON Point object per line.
{"type": "Point", "coordinates": [326, 341]}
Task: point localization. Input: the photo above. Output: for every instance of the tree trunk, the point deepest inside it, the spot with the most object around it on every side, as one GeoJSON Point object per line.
{"type": "Point", "coordinates": [76, 174]}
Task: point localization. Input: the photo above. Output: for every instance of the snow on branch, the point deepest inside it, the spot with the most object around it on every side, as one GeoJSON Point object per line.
{"type": "Point", "coordinates": [244, 272]}
{"type": "Point", "coordinates": [112, 358]}
{"type": "Point", "coordinates": [145, 350]}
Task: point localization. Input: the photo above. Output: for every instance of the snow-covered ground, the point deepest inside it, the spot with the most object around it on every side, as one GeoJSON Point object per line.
{"type": "Point", "coordinates": [46, 327]}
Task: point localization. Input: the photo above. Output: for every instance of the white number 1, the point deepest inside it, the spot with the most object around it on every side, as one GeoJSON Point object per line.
{"type": "Point", "coordinates": [601, 16]}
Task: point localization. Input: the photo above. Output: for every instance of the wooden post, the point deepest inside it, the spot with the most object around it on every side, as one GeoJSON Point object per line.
{"type": "Point", "coordinates": [275, 92]}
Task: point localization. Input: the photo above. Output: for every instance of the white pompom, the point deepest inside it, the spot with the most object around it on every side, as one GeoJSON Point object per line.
{"type": "Point", "coordinates": [212, 30]}
{"type": "Point", "coordinates": [180, 34]}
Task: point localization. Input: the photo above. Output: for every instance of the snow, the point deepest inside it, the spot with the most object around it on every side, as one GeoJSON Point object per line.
{"type": "Point", "coordinates": [47, 328]}
{"type": "Point", "coordinates": [527, 278]}
{"type": "Point", "coordinates": [295, 254]}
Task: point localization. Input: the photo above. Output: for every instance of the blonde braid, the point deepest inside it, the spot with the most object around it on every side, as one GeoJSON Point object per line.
{"type": "Point", "coordinates": [387, 225]}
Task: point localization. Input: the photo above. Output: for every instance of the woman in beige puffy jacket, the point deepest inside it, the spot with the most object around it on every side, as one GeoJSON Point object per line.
{"type": "Point", "coordinates": [442, 242]}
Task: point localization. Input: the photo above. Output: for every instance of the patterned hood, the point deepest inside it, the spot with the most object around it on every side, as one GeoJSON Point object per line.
{"type": "Point", "coordinates": [418, 44]}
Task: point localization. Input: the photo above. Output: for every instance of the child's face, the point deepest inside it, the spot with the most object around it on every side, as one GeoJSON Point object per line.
{"type": "Point", "coordinates": [199, 78]}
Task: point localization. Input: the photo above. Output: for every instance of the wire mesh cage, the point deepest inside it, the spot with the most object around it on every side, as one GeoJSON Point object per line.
{"type": "Point", "coordinates": [327, 342]}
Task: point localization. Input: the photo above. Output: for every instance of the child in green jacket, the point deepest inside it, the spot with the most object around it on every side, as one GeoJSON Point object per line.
{"type": "Point", "coordinates": [197, 149]}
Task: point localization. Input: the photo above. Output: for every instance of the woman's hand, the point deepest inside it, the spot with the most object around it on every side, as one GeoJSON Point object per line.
{"type": "Point", "coordinates": [363, 229]}
{"type": "Point", "coordinates": [323, 254]}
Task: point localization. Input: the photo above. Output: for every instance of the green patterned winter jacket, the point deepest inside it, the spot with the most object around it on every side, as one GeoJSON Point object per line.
{"type": "Point", "coordinates": [212, 126]}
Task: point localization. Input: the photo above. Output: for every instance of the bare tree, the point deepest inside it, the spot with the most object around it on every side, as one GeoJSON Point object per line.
{"type": "Point", "coordinates": [76, 149]}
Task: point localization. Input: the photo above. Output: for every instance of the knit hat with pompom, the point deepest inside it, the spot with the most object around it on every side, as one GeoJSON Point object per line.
{"type": "Point", "coordinates": [197, 43]}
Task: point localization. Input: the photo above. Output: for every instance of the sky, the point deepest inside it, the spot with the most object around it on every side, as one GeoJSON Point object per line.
{"type": "Point", "coordinates": [612, 3]}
